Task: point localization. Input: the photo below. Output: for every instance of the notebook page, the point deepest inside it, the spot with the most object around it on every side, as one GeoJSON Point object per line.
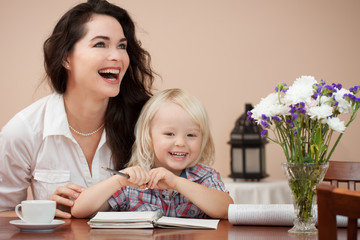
{"type": "Point", "coordinates": [187, 222]}
{"type": "Point", "coordinates": [126, 216]}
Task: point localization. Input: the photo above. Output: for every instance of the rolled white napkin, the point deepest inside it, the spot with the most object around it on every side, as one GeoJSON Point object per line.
{"type": "Point", "coordinates": [268, 214]}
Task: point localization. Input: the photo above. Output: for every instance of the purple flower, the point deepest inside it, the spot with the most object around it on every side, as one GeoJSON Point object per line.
{"type": "Point", "coordinates": [328, 87]}
{"type": "Point", "coordinates": [297, 108]}
{"type": "Point", "coordinates": [296, 131]}
{"type": "Point", "coordinates": [249, 114]}
{"type": "Point", "coordinates": [291, 123]}
{"type": "Point", "coordinates": [264, 117]}
{"type": "Point", "coordinates": [338, 86]}
{"type": "Point", "coordinates": [281, 87]}
{"type": "Point", "coordinates": [316, 85]}
{"type": "Point", "coordinates": [276, 118]}
{"type": "Point", "coordinates": [264, 124]}
{"type": "Point", "coordinates": [351, 98]}
{"type": "Point", "coordinates": [328, 90]}
{"type": "Point", "coordinates": [294, 116]}
{"type": "Point", "coordinates": [355, 89]}
{"type": "Point", "coordinates": [264, 133]}
{"type": "Point", "coordinates": [317, 90]}
{"type": "Point", "coordinates": [292, 110]}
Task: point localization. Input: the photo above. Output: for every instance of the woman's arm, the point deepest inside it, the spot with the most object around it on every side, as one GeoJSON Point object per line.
{"type": "Point", "coordinates": [63, 196]}
{"type": "Point", "coordinates": [16, 160]}
{"type": "Point", "coordinates": [211, 201]}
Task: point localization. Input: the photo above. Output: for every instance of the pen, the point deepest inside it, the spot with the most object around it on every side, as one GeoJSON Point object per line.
{"type": "Point", "coordinates": [115, 172]}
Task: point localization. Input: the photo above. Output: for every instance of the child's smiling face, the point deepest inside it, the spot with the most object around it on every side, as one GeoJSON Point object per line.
{"type": "Point", "coordinates": [176, 138]}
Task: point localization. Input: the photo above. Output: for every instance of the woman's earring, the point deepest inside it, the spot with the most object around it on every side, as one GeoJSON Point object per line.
{"type": "Point", "coordinates": [67, 66]}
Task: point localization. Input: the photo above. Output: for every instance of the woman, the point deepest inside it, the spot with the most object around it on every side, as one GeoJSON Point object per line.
{"type": "Point", "coordinates": [101, 78]}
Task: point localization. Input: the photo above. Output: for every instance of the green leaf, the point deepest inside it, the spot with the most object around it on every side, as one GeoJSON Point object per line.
{"type": "Point", "coordinates": [308, 159]}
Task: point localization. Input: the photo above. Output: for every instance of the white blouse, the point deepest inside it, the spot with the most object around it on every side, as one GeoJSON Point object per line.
{"type": "Point", "coordinates": [38, 149]}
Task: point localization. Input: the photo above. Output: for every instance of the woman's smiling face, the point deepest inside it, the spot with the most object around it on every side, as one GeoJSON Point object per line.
{"type": "Point", "coordinates": [99, 60]}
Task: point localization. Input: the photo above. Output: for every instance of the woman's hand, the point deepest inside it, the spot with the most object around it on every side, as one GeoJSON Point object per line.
{"type": "Point", "coordinates": [63, 196]}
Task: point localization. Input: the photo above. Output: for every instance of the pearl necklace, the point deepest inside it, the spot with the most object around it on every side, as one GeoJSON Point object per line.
{"type": "Point", "coordinates": [86, 134]}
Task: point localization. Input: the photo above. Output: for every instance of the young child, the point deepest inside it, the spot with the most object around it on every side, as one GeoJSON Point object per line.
{"type": "Point", "coordinates": [168, 169]}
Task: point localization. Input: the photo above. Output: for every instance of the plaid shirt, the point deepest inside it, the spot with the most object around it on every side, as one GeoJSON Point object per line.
{"type": "Point", "coordinates": [176, 205]}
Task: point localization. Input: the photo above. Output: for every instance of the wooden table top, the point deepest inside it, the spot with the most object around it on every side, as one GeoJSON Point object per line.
{"type": "Point", "coordinates": [79, 229]}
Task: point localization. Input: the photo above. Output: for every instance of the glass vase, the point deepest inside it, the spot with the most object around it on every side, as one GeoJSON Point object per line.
{"type": "Point", "coordinates": [303, 179]}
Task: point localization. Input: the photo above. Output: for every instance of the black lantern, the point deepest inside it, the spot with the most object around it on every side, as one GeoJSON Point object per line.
{"type": "Point", "coordinates": [247, 149]}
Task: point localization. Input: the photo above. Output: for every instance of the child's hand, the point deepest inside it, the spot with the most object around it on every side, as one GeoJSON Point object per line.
{"type": "Point", "coordinates": [138, 177]}
{"type": "Point", "coordinates": [162, 178]}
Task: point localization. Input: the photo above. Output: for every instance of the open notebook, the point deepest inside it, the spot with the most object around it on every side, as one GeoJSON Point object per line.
{"type": "Point", "coordinates": [147, 220]}
{"type": "Point", "coordinates": [268, 214]}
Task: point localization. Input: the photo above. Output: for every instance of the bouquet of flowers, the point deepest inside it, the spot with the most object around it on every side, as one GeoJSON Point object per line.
{"type": "Point", "coordinates": [304, 116]}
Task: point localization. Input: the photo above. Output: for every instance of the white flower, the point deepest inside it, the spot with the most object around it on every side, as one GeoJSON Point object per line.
{"type": "Point", "coordinates": [301, 90]}
{"type": "Point", "coordinates": [299, 121]}
{"type": "Point", "coordinates": [311, 104]}
{"type": "Point", "coordinates": [269, 106]}
{"type": "Point", "coordinates": [344, 106]}
{"type": "Point", "coordinates": [325, 100]}
{"type": "Point", "coordinates": [336, 124]}
{"type": "Point", "coordinates": [320, 112]}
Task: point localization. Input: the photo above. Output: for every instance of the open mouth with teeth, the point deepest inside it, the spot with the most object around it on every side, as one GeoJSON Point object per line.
{"type": "Point", "coordinates": [178, 154]}
{"type": "Point", "coordinates": [110, 74]}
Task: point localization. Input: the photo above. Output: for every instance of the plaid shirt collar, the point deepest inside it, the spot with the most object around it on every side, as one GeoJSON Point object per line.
{"type": "Point", "coordinates": [194, 173]}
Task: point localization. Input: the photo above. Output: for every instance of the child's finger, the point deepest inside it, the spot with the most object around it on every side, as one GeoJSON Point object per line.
{"type": "Point", "coordinates": [145, 177]}
{"type": "Point", "coordinates": [140, 177]}
{"type": "Point", "coordinates": [133, 173]}
{"type": "Point", "coordinates": [152, 174]}
{"type": "Point", "coordinates": [156, 177]}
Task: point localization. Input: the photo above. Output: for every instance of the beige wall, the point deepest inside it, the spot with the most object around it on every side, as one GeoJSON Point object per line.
{"type": "Point", "coordinates": [226, 52]}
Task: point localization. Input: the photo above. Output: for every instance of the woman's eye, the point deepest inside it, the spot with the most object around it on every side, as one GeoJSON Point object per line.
{"type": "Point", "coordinates": [99, 44]}
{"type": "Point", "coordinates": [122, 46]}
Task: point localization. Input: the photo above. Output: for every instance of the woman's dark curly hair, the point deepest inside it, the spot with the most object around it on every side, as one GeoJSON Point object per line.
{"type": "Point", "coordinates": [135, 89]}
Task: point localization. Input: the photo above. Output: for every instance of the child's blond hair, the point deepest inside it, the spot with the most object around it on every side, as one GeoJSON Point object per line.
{"type": "Point", "coordinates": [143, 152]}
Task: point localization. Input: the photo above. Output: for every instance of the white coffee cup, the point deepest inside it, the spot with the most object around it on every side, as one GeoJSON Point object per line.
{"type": "Point", "coordinates": [36, 211]}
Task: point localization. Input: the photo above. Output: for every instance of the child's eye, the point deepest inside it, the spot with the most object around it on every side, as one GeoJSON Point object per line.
{"type": "Point", "coordinates": [191, 135]}
{"type": "Point", "coordinates": [170, 134]}
{"type": "Point", "coordinates": [99, 44]}
{"type": "Point", "coordinates": [122, 46]}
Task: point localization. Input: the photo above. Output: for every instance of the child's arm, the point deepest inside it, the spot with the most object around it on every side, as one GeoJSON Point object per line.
{"type": "Point", "coordinates": [94, 198]}
{"type": "Point", "coordinates": [213, 202]}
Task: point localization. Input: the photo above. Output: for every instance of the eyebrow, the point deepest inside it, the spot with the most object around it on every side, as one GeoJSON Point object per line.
{"type": "Point", "coordinates": [107, 38]}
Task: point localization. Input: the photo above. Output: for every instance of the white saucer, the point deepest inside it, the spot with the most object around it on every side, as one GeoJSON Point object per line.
{"type": "Point", "coordinates": [31, 227]}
